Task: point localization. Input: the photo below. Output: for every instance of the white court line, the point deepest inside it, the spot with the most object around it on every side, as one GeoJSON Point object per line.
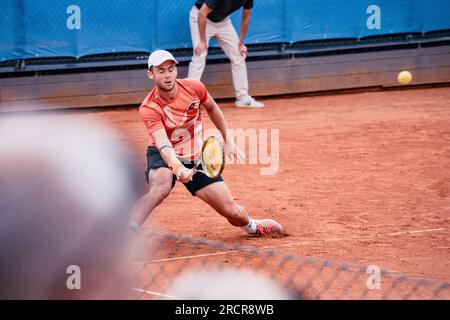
{"type": "Point", "coordinates": [159, 294]}
{"type": "Point", "coordinates": [415, 231]}
{"type": "Point", "coordinates": [195, 256]}
{"type": "Point", "coordinates": [358, 238]}
{"type": "Point", "coordinates": [294, 244]}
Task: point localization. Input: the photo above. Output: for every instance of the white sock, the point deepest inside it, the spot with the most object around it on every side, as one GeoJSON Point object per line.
{"type": "Point", "coordinates": [251, 227]}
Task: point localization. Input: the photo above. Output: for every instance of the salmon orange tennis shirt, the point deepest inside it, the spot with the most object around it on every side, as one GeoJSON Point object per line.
{"type": "Point", "coordinates": [180, 117]}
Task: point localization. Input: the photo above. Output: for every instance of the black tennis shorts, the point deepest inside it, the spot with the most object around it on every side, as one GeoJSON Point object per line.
{"type": "Point", "coordinates": [200, 180]}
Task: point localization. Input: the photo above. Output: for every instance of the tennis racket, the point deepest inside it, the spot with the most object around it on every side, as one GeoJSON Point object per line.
{"type": "Point", "coordinates": [212, 158]}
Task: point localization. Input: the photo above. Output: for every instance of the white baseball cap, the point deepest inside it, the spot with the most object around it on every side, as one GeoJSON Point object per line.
{"type": "Point", "coordinates": [160, 56]}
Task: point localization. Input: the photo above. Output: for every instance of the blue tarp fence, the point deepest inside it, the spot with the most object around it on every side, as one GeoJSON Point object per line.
{"type": "Point", "coordinates": [75, 28]}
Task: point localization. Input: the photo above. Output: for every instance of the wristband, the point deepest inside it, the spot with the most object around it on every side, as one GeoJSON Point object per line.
{"type": "Point", "coordinates": [173, 164]}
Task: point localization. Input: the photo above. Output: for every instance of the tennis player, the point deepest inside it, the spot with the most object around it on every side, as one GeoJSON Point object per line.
{"type": "Point", "coordinates": [172, 117]}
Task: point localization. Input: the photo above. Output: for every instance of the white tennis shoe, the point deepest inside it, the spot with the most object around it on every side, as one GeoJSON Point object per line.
{"type": "Point", "coordinates": [268, 227]}
{"type": "Point", "coordinates": [248, 102]}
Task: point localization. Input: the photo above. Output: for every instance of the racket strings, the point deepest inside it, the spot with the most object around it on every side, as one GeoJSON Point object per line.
{"type": "Point", "coordinates": [213, 157]}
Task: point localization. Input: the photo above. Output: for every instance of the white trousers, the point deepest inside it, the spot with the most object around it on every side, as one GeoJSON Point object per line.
{"type": "Point", "coordinates": [227, 38]}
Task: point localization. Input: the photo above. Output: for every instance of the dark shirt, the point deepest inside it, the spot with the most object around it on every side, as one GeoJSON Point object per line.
{"type": "Point", "coordinates": [223, 8]}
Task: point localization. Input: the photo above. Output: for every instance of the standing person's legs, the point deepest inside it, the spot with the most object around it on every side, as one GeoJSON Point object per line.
{"type": "Point", "coordinates": [198, 62]}
{"type": "Point", "coordinates": [228, 39]}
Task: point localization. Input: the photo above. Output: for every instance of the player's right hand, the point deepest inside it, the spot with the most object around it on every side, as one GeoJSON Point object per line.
{"type": "Point", "coordinates": [202, 47]}
{"type": "Point", "coordinates": [183, 174]}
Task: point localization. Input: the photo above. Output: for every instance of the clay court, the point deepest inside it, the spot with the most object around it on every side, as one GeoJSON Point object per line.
{"type": "Point", "coordinates": [363, 178]}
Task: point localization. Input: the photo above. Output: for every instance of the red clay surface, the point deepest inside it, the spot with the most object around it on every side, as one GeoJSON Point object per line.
{"type": "Point", "coordinates": [364, 178]}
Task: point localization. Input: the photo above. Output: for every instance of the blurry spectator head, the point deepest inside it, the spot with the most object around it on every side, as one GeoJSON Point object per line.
{"type": "Point", "coordinates": [65, 192]}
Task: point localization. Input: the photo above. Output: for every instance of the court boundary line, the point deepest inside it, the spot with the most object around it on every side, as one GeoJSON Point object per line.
{"type": "Point", "coordinates": [159, 294]}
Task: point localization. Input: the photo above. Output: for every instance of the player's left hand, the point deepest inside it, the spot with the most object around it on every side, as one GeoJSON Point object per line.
{"type": "Point", "coordinates": [234, 151]}
{"type": "Point", "coordinates": [243, 49]}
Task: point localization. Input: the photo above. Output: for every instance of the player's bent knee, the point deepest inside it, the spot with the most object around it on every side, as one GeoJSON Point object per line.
{"type": "Point", "coordinates": [160, 182]}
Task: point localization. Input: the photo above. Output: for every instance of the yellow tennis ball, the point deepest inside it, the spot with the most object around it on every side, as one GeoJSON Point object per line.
{"type": "Point", "coordinates": [404, 77]}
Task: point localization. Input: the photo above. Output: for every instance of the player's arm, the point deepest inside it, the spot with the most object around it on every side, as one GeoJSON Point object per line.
{"type": "Point", "coordinates": [244, 29]}
{"type": "Point", "coordinates": [202, 16]}
{"type": "Point", "coordinates": [168, 154]}
{"type": "Point", "coordinates": [217, 117]}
